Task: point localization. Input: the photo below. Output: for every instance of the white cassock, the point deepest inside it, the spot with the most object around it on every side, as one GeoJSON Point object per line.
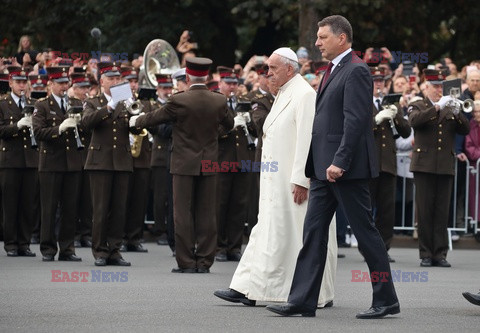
{"type": "Point", "coordinates": [266, 269]}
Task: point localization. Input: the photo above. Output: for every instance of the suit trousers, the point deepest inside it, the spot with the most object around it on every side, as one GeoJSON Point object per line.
{"type": "Point", "coordinates": [382, 191]}
{"type": "Point", "coordinates": [353, 197]}
{"type": "Point", "coordinates": [58, 190]}
{"type": "Point", "coordinates": [232, 209]}
{"type": "Point", "coordinates": [20, 188]}
{"type": "Point", "coordinates": [137, 205]}
{"type": "Point", "coordinates": [195, 223]}
{"type": "Point", "coordinates": [109, 198]}
{"type": "Point", "coordinates": [432, 202]}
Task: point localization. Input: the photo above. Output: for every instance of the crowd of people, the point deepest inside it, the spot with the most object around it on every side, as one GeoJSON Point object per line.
{"type": "Point", "coordinates": [51, 180]}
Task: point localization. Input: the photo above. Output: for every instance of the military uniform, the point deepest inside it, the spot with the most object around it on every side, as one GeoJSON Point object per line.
{"type": "Point", "coordinates": [60, 166]}
{"type": "Point", "coordinates": [109, 163]}
{"type": "Point", "coordinates": [383, 188]}
{"type": "Point", "coordinates": [433, 166]}
{"type": "Point", "coordinates": [196, 114]}
{"type": "Point", "coordinates": [18, 178]}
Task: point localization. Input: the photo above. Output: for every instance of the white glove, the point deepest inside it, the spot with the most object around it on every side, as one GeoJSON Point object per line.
{"type": "Point", "coordinates": [239, 120]}
{"type": "Point", "coordinates": [133, 120]}
{"type": "Point", "coordinates": [385, 114]}
{"type": "Point", "coordinates": [129, 102]}
{"type": "Point", "coordinates": [67, 123]}
{"type": "Point", "coordinates": [246, 116]}
{"type": "Point", "coordinates": [443, 101]}
{"type": "Point", "coordinates": [24, 122]}
{"type": "Point", "coordinates": [112, 104]}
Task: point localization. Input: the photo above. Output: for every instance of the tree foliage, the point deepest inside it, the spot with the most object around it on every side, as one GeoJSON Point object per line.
{"type": "Point", "coordinates": [233, 30]}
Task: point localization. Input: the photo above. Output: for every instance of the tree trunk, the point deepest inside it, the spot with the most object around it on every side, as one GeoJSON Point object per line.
{"type": "Point", "coordinates": [307, 34]}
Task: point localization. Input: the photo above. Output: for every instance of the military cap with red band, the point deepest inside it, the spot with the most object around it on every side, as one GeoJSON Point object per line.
{"type": "Point", "coordinates": [80, 79]}
{"type": "Point", "coordinates": [4, 75]}
{"type": "Point", "coordinates": [213, 86]}
{"type": "Point", "coordinates": [129, 73]}
{"type": "Point", "coordinates": [197, 66]}
{"type": "Point", "coordinates": [16, 73]}
{"type": "Point", "coordinates": [39, 80]}
{"type": "Point", "coordinates": [164, 80]}
{"type": "Point", "coordinates": [227, 74]}
{"type": "Point", "coordinates": [377, 73]}
{"type": "Point", "coordinates": [434, 76]}
{"type": "Point", "coordinates": [58, 74]}
{"type": "Point", "coordinates": [261, 69]}
{"type": "Point", "coordinates": [109, 68]}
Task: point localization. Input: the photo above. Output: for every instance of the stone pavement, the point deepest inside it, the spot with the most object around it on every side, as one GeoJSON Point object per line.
{"type": "Point", "coordinates": [151, 298]}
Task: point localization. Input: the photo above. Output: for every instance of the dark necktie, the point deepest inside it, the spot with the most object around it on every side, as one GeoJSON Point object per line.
{"type": "Point", "coordinates": [20, 106]}
{"type": "Point", "coordinates": [379, 105]}
{"type": "Point", "coordinates": [327, 74]}
{"type": "Point", "coordinates": [62, 107]}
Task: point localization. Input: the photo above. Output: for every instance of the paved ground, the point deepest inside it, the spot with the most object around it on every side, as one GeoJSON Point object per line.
{"type": "Point", "coordinates": [153, 299]}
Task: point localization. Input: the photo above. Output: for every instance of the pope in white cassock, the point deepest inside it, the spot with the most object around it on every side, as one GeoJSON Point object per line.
{"type": "Point", "coordinates": [266, 269]}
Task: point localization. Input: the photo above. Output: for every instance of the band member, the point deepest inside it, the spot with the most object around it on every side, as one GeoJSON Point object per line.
{"type": "Point", "coordinates": [60, 166]}
{"type": "Point", "coordinates": [232, 186]}
{"type": "Point", "coordinates": [160, 164]}
{"type": "Point", "coordinates": [197, 114]}
{"type": "Point", "coordinates": [110, 164]}
{"type": "Point", "coordinates": [18, 167]}
{"type": "Point", "coordinates": [139, 180]}
{"type": "Point", "coordinates": [435, 122]}
{"type": "Point", "coordinates": [388, 125]}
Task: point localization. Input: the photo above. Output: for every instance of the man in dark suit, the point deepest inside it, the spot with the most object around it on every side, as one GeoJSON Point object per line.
{"type": "Point", "coordinates": [18, 167]}
{"type": "Point", "coordinates": [59, 169]}
{"type": "Point", "coordinates": [110, 164]}
{"type": "Point", "coordinates": [340, 163]}
{"type": "Point", "coordinates": [197, 114]}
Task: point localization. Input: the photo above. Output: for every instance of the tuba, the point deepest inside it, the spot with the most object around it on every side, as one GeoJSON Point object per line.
{"type": "Point", "coordinates": [159, 57]}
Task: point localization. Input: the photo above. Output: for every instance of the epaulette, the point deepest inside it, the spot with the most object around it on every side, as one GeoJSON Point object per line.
{"type": "Point", "coordinates": [259, 95]}
{"type": "Point", "coordinates": [42, 99]}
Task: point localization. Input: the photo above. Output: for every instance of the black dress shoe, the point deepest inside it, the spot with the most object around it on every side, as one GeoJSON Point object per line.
{"type": "Point", "coordinates": [203, 270]}
{"type": "Point", "coordinates": [441, 263]}
{"type": "Point", "coordinates": [77, 243]}
{"type": "Point", "coordinates": [426, 262]}
{"type": "Point", "coordinates": [86, 243]}
{"type": "Point", "coordinates": [221, 256]}
{"type": "Point", "coordinates": [123, 248]}
{"type": "Point", "coordinates": [472, 298]}
{"type": "Point", "coordinates": [390, 259]}
{"type": "Point", "coordinates": [379, 312]}
{"type": "Point", "coordinates": [101, 262]}
{"type": "Point", "coordinates": [26, 253]}
{"type": "Point", "coordinates": [340, 255]}
{"type": "Point", "coordinates": [12, 253]}
{"type": "Point", "coordinates": [48, 257]}
{"type": "Point", "coordinates": [184, 270]}
{"type": "Point", "coordinates": [162, 240]}
{"type": "Point", "coordinates": [118, 262]}
{"type": "Point", "coordinates": [234, 296]}
{"type": "Point", "coordinates": [234, 256]}
{"type": "Point", "coordinates": [136, 248]}
{"type": "Point", "coordinates": [68, 257]}
{"type": "Point", "coordinates": [289, 309]}
{"type": "Point", "coordinates": [328, 305]}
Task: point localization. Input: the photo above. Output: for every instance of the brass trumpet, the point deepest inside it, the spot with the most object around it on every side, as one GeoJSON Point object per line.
{"type": "Point", "coordinates": [133, 107]}
{"type": "Point", "coordinates": [466, 105]}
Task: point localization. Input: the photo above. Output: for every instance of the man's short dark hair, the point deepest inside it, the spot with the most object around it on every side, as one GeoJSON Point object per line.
{"type": "Point", "coordinates": [338, 24]}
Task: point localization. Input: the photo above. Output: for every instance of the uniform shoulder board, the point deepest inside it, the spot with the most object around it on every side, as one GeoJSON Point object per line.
{"type": "Point", "coordinates": [42, 99]}
{"type": "Point", "coordinates": [259, 95]}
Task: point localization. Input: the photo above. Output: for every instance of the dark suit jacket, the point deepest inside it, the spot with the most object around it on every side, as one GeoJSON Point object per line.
{"type": "Point", "coordinates": [196, 114]}
{"type": "Point", "coordinates": [110, 143]}
{"type": "Point", "coordinates": [434, 133]}
{"type": "Point", "coordinates": [342, 132]}
{"type": "Point", "coordinates": [58, 152]}
{"type": "Point", "coordinates": [15, 145]}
